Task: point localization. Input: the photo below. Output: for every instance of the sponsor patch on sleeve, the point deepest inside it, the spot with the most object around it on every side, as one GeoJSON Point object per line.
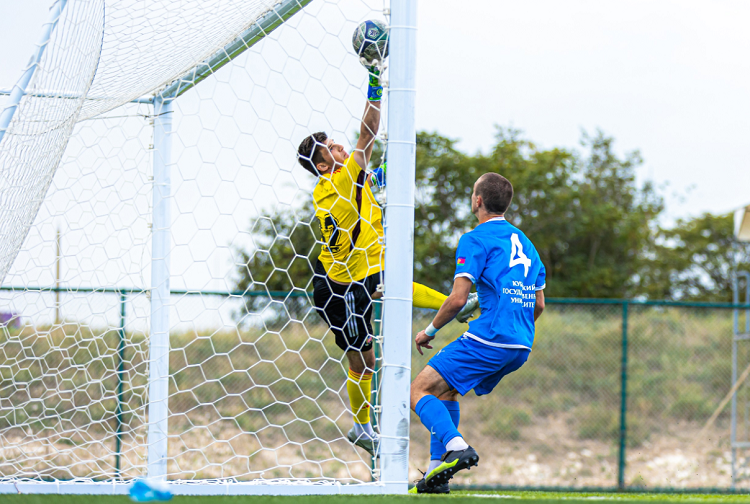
{"type": "Point", "coordinates": [460, 261]}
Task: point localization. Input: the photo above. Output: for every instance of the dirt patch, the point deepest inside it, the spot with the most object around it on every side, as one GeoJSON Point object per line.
{"type": "Point", "coordinates": [550, 452]}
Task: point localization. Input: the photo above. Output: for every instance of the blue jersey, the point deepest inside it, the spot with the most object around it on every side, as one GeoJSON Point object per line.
{"type": "Point", "coordinates": [507, 271]}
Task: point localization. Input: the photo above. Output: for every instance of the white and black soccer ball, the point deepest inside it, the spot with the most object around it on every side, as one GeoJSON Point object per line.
{"type": "Point", "coordinates": [370, 42]}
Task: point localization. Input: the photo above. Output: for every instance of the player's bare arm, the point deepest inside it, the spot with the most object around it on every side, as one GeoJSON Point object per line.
{"type": "Point", "coordinates": [451, 306]}
{"type": "Point", "coordinates": [539, 306]}
{"type": "Point", "coordinates": [370, 125]}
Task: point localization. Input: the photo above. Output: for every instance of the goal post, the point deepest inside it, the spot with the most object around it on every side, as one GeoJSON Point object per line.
{"type": "Point", "coordinates": [158, 378]}
{"type": "Point", "coordinates": [173, 182]}
{"type": "Point", "coordinates": [397, 308]}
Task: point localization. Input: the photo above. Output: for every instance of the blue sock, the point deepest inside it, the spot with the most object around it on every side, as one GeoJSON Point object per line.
{"type": "Point", "coordinates": [437, 449]}
{"type": "Point", "coordinates": [435, 416]}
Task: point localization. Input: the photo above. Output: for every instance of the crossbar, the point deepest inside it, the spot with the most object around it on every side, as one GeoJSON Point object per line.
{"type": "Point", "coordinates": [264, 25]}
{"type": "Point", "coordinates": [261, 27]}
{"type": "Point", "coordinates": [53, 94]}
{"type": "Point", "coordinates": [20, 88]}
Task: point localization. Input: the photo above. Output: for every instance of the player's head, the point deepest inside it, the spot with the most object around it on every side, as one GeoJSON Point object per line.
{"type": "Point", "coordinates": [319, 154]}
{"type": "Point", "coordinates": [493, 192]}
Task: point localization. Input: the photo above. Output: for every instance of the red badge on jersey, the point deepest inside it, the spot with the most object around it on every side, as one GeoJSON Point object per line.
{"type": "Point", "coordinates": [461, 260]}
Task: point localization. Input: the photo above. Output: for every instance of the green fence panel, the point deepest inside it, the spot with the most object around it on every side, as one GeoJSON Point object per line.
{"type": "Point", "coordinates": [616, 394]}
{"type": "Point", "coordinates": [555, 421]}
{"type": "Point", "coordinates": [679, 371]}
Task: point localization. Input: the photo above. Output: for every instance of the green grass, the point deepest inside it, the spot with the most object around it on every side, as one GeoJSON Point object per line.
{"type": "Point", "coordinates": [466, 496]}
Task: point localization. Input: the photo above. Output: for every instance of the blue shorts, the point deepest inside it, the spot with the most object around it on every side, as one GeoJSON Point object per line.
{"type": "Point", "coordinates": [466, 364]}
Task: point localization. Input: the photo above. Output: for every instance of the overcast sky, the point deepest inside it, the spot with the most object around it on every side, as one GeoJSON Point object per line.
{"type": "Point", "coordinates": [670, 78]}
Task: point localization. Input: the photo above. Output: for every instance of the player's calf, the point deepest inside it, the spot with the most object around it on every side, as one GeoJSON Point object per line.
{"type": "Point", "coordinates": [359, 388]}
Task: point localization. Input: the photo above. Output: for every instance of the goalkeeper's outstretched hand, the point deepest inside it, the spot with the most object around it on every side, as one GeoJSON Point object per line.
{"type": "Point", "coordinates": [374, 89]}
{"type": "Point", "coordinates": [379, 175]}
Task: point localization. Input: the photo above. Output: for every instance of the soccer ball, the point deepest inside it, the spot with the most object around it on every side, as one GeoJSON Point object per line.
{"type": "Point", "coordinates": [370, 42]}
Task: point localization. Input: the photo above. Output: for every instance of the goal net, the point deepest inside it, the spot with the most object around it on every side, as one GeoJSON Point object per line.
{"type": "Point", "coordinates": [158, 241]}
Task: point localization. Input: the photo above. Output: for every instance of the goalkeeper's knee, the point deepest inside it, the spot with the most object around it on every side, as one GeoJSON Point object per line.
{"type": "Point", "coordinates": [424, 297]}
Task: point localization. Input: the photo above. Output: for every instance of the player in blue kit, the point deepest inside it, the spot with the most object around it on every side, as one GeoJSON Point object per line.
{"type": "Point", "coordinates": [510, 278]}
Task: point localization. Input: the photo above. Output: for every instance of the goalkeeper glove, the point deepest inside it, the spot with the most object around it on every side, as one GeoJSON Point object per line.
{"type": "Point", "coordinates": [379, 174]}
{"type": "Point", "coordinates": [374, 89]}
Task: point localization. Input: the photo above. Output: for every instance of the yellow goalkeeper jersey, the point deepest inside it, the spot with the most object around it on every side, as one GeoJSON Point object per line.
{"type": "Point", "coordinates": [351, 224]}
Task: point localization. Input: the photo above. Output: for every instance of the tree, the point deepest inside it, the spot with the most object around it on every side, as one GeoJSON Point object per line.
{"type": "Point", "coordinates": [585, 214]}
{"type": "Point", "coordinates": [285, 248]}
{"type": "Point", "coordinates": [695, 260]}
{"type": "Point", "coordinates": [595, 228]}
{"type": "Point", "coordinates": [608, 226]}
{"type": "Point", "coordinates": [441, 215]}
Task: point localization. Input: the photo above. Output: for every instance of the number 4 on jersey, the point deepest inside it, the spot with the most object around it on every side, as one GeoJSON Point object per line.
{"type": "Point", "coordinates": [517, 256]}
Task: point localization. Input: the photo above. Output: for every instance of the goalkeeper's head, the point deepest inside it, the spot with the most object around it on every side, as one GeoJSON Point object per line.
{"type": "Point", "coordinates": [319, 154]}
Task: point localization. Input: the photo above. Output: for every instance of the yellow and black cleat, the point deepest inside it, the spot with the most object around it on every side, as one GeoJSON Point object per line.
{"type": "Point", "coordinates": [421, 488]}
{"type": "Point", "coordinates": [453, 461]}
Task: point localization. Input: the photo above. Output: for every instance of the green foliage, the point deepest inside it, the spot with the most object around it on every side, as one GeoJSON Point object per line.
{"type": "Point", "coordinates": [596, 229]}
{"type": "Point", "coordinates": [602, 422]}
{"type": "Point", "coordinates": [551, 404]}
{"type": "Point", "coordinates": [598, 421]}
{"type": "Point", "coordinates": [677, 372]}
{"type": "Point", "coordinates": [503, 422]}
{"type": "Point", "coordinates": [285, 248]}
{"type": "Point", "coordinates": [585, 214]}
{"type": "Point", "coordinates": [695, 260]}
{"type": "Point", "coordinates": [691, 404]}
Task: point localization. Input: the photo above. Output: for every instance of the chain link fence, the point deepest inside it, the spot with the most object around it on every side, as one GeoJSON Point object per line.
{"type": "Point", "coordinates": [616, 394]}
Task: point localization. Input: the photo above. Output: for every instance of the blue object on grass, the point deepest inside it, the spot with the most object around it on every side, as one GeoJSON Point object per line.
{"type": "Point", "coordinates": [145, 491]}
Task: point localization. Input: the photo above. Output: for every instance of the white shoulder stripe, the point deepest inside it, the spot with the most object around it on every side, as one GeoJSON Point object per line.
{"type": "Point", "coordinates": [467, 275]}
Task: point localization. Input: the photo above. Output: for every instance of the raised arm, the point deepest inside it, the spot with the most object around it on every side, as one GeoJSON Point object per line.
{"type": "Point", "coordinates": [370, 121]}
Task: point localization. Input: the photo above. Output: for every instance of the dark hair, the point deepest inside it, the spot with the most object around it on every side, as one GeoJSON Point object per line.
{"type": "Point", "coordinates": [309, 154]}
{"type": "Point", "coordinates": [496, 192]}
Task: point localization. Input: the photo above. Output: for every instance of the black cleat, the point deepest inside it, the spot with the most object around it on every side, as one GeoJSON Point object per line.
{"type": "Point", "coordinates": [453, 461]}
{"type": "Point", "coordinates": [421, 488]}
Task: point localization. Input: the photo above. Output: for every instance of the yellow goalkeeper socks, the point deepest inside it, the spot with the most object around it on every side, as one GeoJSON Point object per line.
{"type": "Point", "coordinates": [424, 297]}
{"type": "Point", "coordinates": [359, 387]}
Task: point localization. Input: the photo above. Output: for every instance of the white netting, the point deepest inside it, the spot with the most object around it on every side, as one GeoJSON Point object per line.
{"type": "Point", "coordinates": [111, 52]}
{"type": "Point", "coordinates": [256, 382]}
{"type": "Point", "coordinates": [70, 385]}
{"type": "Point", "coordinates": [38, 133]}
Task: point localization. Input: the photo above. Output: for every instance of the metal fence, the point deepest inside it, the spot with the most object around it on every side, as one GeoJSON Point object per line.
{"type": "Point", "coordinates": [617, 394]}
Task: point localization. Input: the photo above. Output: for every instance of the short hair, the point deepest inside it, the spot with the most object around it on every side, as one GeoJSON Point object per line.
{"type": "Point", "coordinates": [496, 192]}
{"type": "Point", "coordinates": [309, 154]}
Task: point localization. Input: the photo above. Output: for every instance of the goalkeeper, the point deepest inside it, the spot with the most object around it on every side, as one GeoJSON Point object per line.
{"type": "Point", "coordinates": [350, 265]}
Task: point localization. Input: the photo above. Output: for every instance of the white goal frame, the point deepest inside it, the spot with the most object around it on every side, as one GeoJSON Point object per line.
{"type": "Point", "coordinates": [401, 139]}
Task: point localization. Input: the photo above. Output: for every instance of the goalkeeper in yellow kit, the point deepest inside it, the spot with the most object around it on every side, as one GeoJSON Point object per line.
{"type": "Point", "coordinates": [350, 266]}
